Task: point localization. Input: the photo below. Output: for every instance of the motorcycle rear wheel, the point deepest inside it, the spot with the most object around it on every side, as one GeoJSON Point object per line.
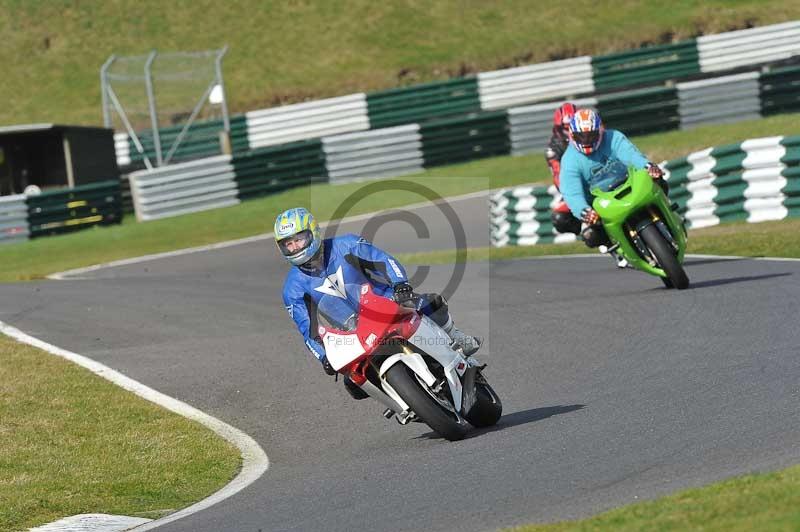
{"type": "Point", "coordinates": [445, 423]}
{"type": "Point", "coordinates": [665, 255]}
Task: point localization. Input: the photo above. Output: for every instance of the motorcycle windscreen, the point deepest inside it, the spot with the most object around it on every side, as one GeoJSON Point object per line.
{"type": "Point", "coordinates": [608, 177]}
{"type": "Point", "coordinates": [338, 307]}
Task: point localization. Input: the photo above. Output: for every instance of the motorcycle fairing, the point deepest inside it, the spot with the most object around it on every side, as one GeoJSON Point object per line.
{"type": "Point", "coordinates": [638, 194]}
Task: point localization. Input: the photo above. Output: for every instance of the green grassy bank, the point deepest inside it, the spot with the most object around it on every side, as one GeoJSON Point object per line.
{"type": "Point", "coordinates": [290, 51]}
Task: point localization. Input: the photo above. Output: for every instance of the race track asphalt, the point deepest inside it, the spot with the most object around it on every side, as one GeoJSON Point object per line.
{"type": "Point", "coordinates": [615, 390]}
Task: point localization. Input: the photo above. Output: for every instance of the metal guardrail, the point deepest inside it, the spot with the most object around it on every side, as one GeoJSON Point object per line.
{"type": "Point", "coordinates": [641, 111]}
{"type": "Point", "coordinates": [13, 219]}
{"type": "Point", "coordinates": [780, 90]}
{"type": "Point", "coordinates": [184, 188]}
{"type": "Point", "coordinates": [501, 89]}
{"type": "Point", "coordinates": [275, 168]}
{"type": "Point", "coordinates": [371, 154]}
{"type": "Point", "coordinates": [464, 139]}
{"type": "Point", "coordinates": [645, 66]}
{"type": "Point", "coordinates": [72, 209]}
{"type": "Point", "coordinates": [289, 123]}
{"type": "Point", "coordinates": [719, 100]}
{"type": "Point", "coordinates": [420, 103]}
{"type": "Point", "coordinates": [753, 46]}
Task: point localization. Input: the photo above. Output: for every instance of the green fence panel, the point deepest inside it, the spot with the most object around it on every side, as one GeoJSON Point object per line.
{"type": "Point", "coordinates": [729, 183]}
{"type": "Point", "coordinates": [463, 139]}
{"type": "Point", "coordinates": [423, 102]}
{"type": "Point", "coordinates": [780, 90]}
{"type": "Point", "coordinates": [276, 168]}
{"type": "Point", "coordinates": [72, 209]}
{"type": "Point", "coordinates": [678, 179]}
{"type": "Point", "coordinates": [202, 139]}
{"type": "Point", "coordinates": [239, 142]}
{"type": "Point", "coordinates": [792, 155]}
{"type": "Point", "coordinates": [641, 111]}
{"type": "Point", "coordinates": [645, 66]}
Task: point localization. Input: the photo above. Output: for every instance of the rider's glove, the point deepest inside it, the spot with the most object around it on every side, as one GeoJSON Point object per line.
{"type": "Point", "coordinates": [589, 216]}
{"type": "Point", "coordinates": [403, 293]}
{"type": "Point", "coordinates": [327, 367]}
{"type": "Point", "coordinates": [654, 171]}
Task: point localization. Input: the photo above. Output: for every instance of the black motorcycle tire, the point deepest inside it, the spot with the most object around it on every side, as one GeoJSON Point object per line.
{"type": "Point", "coordinates": [442, 421]}
{"type": "Point", "coordinates": [487, 408]}
{"type": "Point", "coordinates": [665, 256]}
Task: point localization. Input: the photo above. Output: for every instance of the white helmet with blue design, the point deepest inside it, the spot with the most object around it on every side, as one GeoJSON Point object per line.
{"type": "Point", "coordinates": [297, 235]}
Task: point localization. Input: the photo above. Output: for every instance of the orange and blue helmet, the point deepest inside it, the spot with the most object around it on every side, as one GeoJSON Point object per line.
{"type": "Point", "coordinates": [297, 235]}
{"type": "Point", "coordinates": [586, 131]}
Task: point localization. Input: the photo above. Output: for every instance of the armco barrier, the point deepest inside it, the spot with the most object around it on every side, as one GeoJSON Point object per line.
{"type": "Point", "coordinates": [642, 111]}
{"type": "Point", "coordinates": [378, 153]}
{"type": "Point", "coordinates": [646, 66]}
{"type": "Point", "coordinates": [183, 188]}
{"type": "Point", "coordinates": [780, 90]}
{"type": "Point", "coordinates": [289, 123]}
{"type": "Point", "coordinates": [72, 209]}
{"type": "Point", "coordinates": [756, 180]}
{"type": "Point", "coordinates": [423, 102]}
{"type": "Point", "coordinates": [719, 100]}
{"type": "Point", "coordinates": [753, 46]}
{"type": "Point", "coordinates": [464, 139]}
{"type": "Point", "coordinates": [501, 89]}
{"type": "Point", "coordinates": [275, 168]}
{"type": "Point", "coordinates": [13, 219]}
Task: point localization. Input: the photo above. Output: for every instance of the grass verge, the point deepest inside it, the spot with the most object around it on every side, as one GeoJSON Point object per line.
{"type": "Point", "coordinates": [768, 501]}
{"type": "Point", "coordinates": [765, 239]}
{"type": "Point", "coordinates": [39, 257]}
{"type": "Point", "coordinates": [75, 443]}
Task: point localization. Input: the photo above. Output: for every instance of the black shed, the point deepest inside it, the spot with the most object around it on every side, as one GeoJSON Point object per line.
{"type": "Point", "coordinates": [55, 156]}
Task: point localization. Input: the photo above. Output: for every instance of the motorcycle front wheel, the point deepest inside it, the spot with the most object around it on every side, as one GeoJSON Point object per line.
{"type": "Point", "coordinates": [429, 409]}
{"type": "Point", "coordinates": [665, 256]}
{"type": "Point", "coordinates": [488, 408]}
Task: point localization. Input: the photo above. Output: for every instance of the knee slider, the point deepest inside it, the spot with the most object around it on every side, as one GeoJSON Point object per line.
{"type": "Point", "coordinates": [564, 222]}
{"type": "Point", "coordinates": [594, 235]}
{"type": "Point", "coordinates": [435, 307]}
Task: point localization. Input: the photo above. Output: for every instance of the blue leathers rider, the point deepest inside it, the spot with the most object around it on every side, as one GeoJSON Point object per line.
{"type": "Point", "coordinates": [591, 147]}
{"type": "Point", "coordinates": [319, 264]}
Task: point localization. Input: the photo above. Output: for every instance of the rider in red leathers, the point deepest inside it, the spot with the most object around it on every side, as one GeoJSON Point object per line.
{"type": "Point", "coordinates": [563, 220]}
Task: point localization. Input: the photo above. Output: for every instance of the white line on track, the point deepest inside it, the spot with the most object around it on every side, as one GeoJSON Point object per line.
{"type": "Point", "coordinates": [254, 459]}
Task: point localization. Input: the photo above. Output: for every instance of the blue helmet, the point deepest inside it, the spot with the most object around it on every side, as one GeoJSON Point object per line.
{"type": "Point", "coordinates": [297, 235]}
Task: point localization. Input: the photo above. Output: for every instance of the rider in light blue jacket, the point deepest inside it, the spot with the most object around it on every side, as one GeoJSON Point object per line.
{"type": "Point", "coordinates": [591, 147]}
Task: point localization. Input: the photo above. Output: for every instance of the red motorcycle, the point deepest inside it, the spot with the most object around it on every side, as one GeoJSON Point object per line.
{"type": "Point", "coordinates": [406, 361]}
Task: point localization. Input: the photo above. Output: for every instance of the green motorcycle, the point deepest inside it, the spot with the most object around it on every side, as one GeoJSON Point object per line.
{"type": "Point", "coordinates": [640, 223]}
